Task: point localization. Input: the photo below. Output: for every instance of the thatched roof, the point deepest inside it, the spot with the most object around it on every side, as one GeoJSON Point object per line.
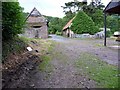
{"type": "Point", "coordinates": [35, 17]}
{"type": "Point", "coordinates": [113, 7]}
{"type": "Point", "coordinates": [68, 24]}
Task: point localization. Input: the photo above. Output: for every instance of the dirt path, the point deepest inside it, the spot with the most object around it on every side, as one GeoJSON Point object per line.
{"type": "Point", "coordinates": [95, 47]}
{"type": "Point", "coordinates": [61, 71]}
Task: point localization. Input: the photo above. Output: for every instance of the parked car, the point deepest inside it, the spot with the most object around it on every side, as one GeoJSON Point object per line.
{"type": "Point", "coordinates": [117, 34]}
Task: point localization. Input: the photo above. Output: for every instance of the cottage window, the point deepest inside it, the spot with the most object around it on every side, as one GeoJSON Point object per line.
{"type": "Point", "coordinates": [36, 26]}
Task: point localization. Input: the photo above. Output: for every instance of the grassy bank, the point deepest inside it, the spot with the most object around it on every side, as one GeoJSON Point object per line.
{"type": "Point", "coordinates": [106, 75]}
{"type": "Point", "coordinates": [16, 45]}
{"type": "Point", "coordinates": [19, 44]}
{"type": "Point", "coordinates": [14, 49]}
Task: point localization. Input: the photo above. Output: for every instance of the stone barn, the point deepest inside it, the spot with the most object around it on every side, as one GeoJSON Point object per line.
{"type": "Point", "coordinates": [36, 25]}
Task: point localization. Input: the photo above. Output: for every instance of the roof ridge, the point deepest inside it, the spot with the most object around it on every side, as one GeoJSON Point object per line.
{"type": "Point", "coordinates": [32, 11]}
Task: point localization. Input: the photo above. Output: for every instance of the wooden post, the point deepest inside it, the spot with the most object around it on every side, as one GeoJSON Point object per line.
{"type": "Point", "coordinates": [0, 43]}
{"type": "Point", "coordinates": [105, 29]}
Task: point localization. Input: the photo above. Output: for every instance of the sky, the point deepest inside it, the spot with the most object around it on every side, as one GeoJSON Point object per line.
{"type": "Point", "coordinates": [49, 7]}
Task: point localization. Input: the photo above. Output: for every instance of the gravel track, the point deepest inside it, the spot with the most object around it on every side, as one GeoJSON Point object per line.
{"type": "Point", "coordinates": [62, 72]}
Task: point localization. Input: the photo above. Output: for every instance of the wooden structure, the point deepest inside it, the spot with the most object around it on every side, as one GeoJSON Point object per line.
{"type": "Point", "coordinates": [66, 31]}
{"type": "Point", "coordinates": [112, 8]}
{"type": "Point", "coordinates": [36, 25]}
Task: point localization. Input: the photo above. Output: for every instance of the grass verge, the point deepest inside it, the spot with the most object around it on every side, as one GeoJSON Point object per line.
{"type": "Point", "coordinates": [104, 74]}
{"type": "Point", "coordinates": [45, 63]}
{"type": "Point", "coordinates": [46, 58]}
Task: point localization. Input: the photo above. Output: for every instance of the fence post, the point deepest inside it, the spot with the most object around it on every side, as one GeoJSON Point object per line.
{"type": "Point", "coordinates": [105, 29]}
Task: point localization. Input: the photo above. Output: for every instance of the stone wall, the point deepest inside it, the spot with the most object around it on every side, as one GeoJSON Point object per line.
{"type": "Point", "coordinates": [41, 32]}
{"type": "Point", "coordinates": [68, 33]}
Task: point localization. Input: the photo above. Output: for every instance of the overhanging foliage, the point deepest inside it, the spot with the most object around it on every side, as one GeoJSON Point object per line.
{"type": "Point", "coordinates": [12, 20]}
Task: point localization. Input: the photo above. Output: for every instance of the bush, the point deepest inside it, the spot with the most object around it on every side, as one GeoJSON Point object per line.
{"type": "Point", "coordinates": [83, 24]}
{"type": "Point", "coordinates": [58, 33]}
{"type": "Point", "coordinates": [12, 20]}
{"type": "Point", "coordinates": [109, 33]}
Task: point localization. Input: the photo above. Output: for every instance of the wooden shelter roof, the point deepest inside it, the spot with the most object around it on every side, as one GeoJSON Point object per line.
{"type": "Point", "coordinates": [113, 7]}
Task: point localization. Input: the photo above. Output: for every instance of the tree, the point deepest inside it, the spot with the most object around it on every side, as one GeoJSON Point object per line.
{"type": "Point", "coordinates": [83, 24]}
{"type": "Point", "coordinates": [73, 7]}
{"type": "Point", "coordinates": [12, 20]}
{"type": "Point", "coordinates": [95, 11]}
{"type": "Point", "coordinates": [68, 7]}
{"type": "Point", "coordinates": [113, 22]}
{"type": "Point", "coordinates": [97, 4]}
{"type": "Point", "coordinates": [98, 18]}
{"type": "Point", "coordinates": [67, 18]}
{"type": "Point", "coordinates": [25, 14]}
{"type": "Point", "coordinates": [55, 24]}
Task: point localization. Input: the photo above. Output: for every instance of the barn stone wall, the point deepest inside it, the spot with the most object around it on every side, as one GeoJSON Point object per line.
{"type": "Point", "coordinates": [36, 25]}
{"type": "Point", "coordinates": [43, 32]}
{"type": "Point", "coordinates": [31, 32]}
{"type": "Point", "coordinates": [68, 33]}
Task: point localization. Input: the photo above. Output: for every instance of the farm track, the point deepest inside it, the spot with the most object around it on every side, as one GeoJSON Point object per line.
{"type": "Point", "coordinates": [61, 71]}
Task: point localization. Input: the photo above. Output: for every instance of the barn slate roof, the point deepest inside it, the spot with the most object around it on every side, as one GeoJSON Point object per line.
{"type": "Point", "coordinates": [68, 24]}
{"type": "Point", "coordinates": [35, 17]}
{"type": "Point", "coordinates": [113, 7]}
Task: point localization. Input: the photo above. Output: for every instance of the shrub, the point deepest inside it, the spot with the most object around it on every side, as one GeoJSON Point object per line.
{"type": "Point", "coordinates": [58, 33]}
{"type": "Point", "coordinates": [12, 20]}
